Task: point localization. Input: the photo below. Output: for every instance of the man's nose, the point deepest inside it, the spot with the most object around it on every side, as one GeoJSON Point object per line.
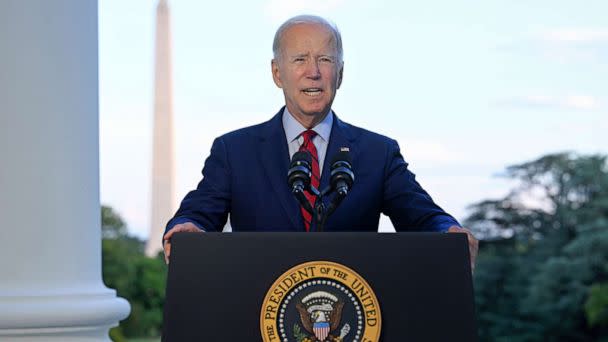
{"type": "Point", "coordinates": [313, 71]}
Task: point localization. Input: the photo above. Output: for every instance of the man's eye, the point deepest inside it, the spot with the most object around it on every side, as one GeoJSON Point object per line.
{"type": "Point", "coordinates": [326, 60]}
{"type": "Point", "coordinates": [299, 59]}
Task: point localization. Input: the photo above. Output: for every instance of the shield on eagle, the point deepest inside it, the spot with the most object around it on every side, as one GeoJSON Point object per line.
{"type": "Point", "coordinates": [320, 313]}
{"type": "Point", "coordinates": [321, 330]}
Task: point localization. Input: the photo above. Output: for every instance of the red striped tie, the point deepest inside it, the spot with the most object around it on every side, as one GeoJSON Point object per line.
{"type": "Point", "coordinates": [309, 147]}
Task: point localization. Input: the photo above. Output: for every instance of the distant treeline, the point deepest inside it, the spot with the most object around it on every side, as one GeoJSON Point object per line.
{"type": "Point", "coordinates": [542, 272]}
{"type": "Point", "coordinates": [137, 278]}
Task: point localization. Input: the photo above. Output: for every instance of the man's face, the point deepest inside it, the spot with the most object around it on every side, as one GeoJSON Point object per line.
{"type": "Point", "coordinates": [308, 69]}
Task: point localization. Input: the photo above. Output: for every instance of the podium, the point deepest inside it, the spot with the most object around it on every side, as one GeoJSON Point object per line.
{"type": "Point", "coordinates": [308, 287]}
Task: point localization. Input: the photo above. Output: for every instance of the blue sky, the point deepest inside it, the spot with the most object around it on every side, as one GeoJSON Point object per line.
{"type": "Point", "coordinates": [466, 87]}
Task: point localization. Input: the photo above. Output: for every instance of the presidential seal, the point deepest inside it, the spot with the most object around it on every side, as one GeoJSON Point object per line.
{"type": "Point", "coordinates": [320, 301]}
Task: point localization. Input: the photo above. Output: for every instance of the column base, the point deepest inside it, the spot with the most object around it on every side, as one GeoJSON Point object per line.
{"type": "Point", "coordinates": [84, 317]}
{"type": "Point", "coordinates": [80, 334]}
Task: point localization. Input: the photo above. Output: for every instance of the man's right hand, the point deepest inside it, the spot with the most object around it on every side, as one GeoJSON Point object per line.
{"type": "Point", "coordinates": [182, 227]}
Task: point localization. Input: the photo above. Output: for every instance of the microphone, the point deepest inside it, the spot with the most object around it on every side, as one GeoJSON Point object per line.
{"type": "Point", "coordinates": [342, 176]}
{"type": "Point", "coordinates": [341, 180]}
{"type": "Point", "coordinates": [298, 177]}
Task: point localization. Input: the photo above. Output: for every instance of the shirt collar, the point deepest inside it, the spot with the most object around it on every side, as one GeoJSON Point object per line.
{"type": "Point", "coordinates": [293, 128]}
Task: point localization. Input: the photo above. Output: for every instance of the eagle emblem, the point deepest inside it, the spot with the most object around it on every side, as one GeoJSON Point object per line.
{"type": "Point", "coordinates": [320, 315]}
{"type": "Point", "coordinates": [320, 301]}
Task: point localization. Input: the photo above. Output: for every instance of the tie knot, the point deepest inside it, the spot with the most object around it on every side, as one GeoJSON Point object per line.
{"type": "Point", "coordinates": [308, 135]}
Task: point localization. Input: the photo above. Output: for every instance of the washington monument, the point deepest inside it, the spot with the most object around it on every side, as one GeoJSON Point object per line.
{"type": "Point", "coordinates": [162, 207]}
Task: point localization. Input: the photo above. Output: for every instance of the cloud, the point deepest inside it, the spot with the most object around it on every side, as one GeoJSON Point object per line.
{"type": "Point", "coordinates": [574, 45]}
{"type": "Point", "coordinates": [583, 102]}
{"type": "Point", "coordinates": [569, 102]}
{"type": "Point", "coordinates": [575, 36]}
{"type": "Point", "coordinates": [563, 45]}
{"type": "Point", "coordinates": [280, 10]}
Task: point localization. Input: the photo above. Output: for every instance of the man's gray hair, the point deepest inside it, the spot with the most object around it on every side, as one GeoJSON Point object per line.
{"type": "Point", "coordinates": [307, 19]}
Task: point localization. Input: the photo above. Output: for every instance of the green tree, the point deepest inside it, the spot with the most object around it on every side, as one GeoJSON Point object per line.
{"type": "Point", "coordinates": [545, 249]}
{"type": "Point", "coordinates": [596, 306]}
{"type": "Point", "coordinates": [137, 278]}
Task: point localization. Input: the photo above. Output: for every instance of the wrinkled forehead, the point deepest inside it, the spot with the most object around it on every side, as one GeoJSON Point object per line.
{"type": "Point", "coordinates": [305, 37]}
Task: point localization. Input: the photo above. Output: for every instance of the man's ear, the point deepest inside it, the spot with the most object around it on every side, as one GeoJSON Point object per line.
{"type": "Point", "coordinates": [340, 75]}
{"type": "Point", "coordinates": [276, 74]}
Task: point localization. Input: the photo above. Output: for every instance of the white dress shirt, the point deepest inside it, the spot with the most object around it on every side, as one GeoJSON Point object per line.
{"type": "Point", "coordinates": [293, 133]}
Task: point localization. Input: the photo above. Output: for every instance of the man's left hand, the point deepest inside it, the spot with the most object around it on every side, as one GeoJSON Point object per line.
{"type": "Point", "coordinates": [473, 243]}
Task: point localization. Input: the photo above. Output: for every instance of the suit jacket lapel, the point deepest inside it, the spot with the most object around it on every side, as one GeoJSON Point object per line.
{"type": "Point", "coordinates": [341, 137]}
{"type": "Point", "coordinates": [274, 156]}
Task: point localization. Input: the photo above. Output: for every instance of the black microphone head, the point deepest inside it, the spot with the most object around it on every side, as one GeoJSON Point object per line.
{"type": "Point", "coordinates": [341, 170]}
{"type": "Point", "coordinates": [342, 156]}
{"type": "Point", "coordinates": [299, 170]}
{"type": "Point", "coordinates": [301, 156]}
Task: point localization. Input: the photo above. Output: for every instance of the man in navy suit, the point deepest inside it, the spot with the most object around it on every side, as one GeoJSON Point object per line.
{"type": "Point", "coordinates": [245, 175]}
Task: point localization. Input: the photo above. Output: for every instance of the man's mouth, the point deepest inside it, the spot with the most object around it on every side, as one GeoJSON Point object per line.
{"type": "Point", "coordinates": [312, 91]}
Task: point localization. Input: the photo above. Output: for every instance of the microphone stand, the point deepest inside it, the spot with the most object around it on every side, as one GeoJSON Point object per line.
{"type": "Point", "coordinates": [320, 213]}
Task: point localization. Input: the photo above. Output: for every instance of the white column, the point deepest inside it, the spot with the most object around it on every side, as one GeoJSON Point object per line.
{"type": "Point", "coordinates": [50, 237]}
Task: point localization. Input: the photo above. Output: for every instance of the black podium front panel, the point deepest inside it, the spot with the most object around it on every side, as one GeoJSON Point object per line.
{"type": "Point", "coordinates": [217, 282]}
